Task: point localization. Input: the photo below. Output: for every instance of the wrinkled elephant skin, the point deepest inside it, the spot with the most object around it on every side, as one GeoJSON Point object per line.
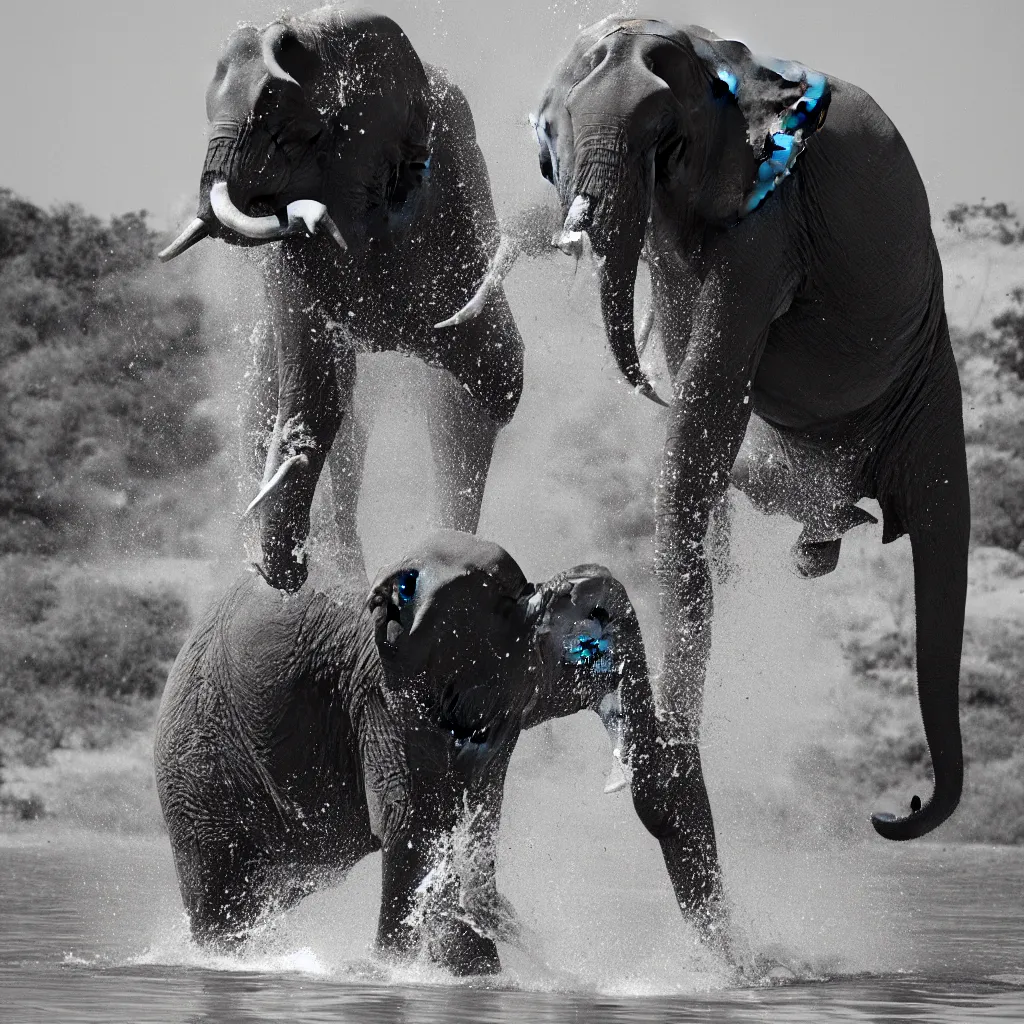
{"type": "Point", "coordinates": [298, 734]}
{"type": "Point", "coordinates": [795, 278]}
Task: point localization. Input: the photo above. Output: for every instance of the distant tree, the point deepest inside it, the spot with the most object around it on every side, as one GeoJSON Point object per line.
{"type": "Point", "coordinates": [995, 220]}
{"type": "Point", "coordinates": [1009, 339]}
{"type": "Point", "coordinates": [100, 369]}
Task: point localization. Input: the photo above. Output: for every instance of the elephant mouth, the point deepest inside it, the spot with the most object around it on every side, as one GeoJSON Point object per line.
{"type": "Point", "coordinates": [475, 745]}
{"type": "Point", "coordinates": [477, 729]}
{"type": "Point", "coordinates": [387, 624]}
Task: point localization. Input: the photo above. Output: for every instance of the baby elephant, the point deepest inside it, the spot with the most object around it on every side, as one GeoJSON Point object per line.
{"type": "Point", "coordinates": [299, 733]}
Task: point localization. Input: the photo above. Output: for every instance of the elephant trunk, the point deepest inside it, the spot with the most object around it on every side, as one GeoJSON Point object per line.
{"type": "Point", "coordinates": [639, 727]}
{"type": "Point", "coordinates": [613, 191]}
{"type": "Point", "coordinates": [940, 587]}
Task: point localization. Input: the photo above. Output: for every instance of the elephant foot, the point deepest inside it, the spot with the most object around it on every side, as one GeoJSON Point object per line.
{"type": "Point", "coordinates": [811, 560]}
{"type": "Point", "coordinates": [462, 951]}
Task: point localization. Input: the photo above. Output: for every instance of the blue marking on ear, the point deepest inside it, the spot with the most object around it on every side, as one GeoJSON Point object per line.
{"type": "Point", "coordinates": [816, 83]}
{"type": "Point", "coordinates": [783, 147]}
{"type": "Point", "coordinates": [731, 81]}
{"type": "Point", "coordinates": [783, 155]}
{"type": "Point", "coordinates": [590, 649]}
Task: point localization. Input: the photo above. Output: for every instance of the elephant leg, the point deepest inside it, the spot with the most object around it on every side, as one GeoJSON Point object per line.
{"type": "Point", "coordinates": [465, 410]}
{"type": "Point", "coordinates": [345, 464]}
{"type": "Point", "coordinates": [225, 887]}
{"type": "Point", "coordinates": [462, 437]}
{"type": "Point", "coordinates": [489, 912]}
{"type": "Point", "coordinates": [718, 539]}
{"type": "Point", "coordinates": [928, 490]}
{"type": "Point", "coordinates": [415, 805]}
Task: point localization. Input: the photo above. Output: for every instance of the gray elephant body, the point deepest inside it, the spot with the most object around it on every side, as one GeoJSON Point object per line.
{"type": "Point", "coordinates": [795, 277]}
{"type": "Point", "coordinates": [327, 130]}
{"type": "Point", "coordinates": [259, 769]}
{"type": "Point", "coordinates": [297, 734]}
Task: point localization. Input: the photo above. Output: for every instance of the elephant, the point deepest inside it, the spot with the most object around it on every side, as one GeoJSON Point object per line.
{"type": "Point", "coordinates": [798, 292]}
{"type": "Point", "coordinates": [357, 166]}
{"type": "Point", "coordinates": [299, 733]}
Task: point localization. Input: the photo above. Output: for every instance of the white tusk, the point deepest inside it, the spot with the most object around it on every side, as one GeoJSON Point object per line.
{"type": "Point", "coordinates": [301, 214]}
{"type": "Point", "coordinates": [646, 326]}
{"type": "Point", "coordinates": [314, 215]}
{"type": "Point", "coordinates": [195, 232]}
{"type": "Point", "coordinates": [332, 230]}
{"type": "Point", "coordinates": [264, 228]}
{"type": "Point", "coordinates": [276, 480]}
{"type": "Point", "coordinates": [506, 256]}
{"type": "Point", "coordinates": [570, 241]}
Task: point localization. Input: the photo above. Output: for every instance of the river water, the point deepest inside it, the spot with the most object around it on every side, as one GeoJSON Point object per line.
{"type": "Point", "coordinates": [93, 931]}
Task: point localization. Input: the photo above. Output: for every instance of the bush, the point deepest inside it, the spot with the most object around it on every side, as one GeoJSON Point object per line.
{"type": "Point", "coordinates": [83, 658]}
{"type": "Point", "coordinates": [997, 498]}
{"type": "Point", "coordinates": [100, 370]}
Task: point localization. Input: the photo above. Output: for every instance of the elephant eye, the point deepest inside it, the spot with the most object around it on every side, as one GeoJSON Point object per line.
{"type": "Point", "coordinates": [405, 587]}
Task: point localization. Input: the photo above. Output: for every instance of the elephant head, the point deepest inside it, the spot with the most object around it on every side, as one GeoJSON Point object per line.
{"type": "Point", "coordinates": [472, 653]}
{"type": "Point", "coordinates": [641, 115]}
{"type": "Point", "coordinates": [486, 653]}
{"type": "Point", "coordinates": [315, 123]}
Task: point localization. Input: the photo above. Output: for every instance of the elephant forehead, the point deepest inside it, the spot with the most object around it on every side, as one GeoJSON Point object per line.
{"type": "Point", "coordinates": [240, 76]}
{"type": "Point", "coordinates": [449, 554]}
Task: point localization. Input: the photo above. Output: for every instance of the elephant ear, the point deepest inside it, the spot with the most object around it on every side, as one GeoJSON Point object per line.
{"type": "Point", "coordinates": [581, 617]}
{"type": "Point", "coordinates": [783, 103]}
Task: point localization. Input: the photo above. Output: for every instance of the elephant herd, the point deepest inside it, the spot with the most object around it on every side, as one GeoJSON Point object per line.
{"type": "Point", "coordinates": [797, 292]}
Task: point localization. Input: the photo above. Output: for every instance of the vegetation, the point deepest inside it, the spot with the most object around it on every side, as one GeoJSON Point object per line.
{"type": "Point", "coordinates": [101, 371]}
{"type": "Point", "coordinates": [84, 658]}
{"type": "Point", "coordinates": [100, 374]}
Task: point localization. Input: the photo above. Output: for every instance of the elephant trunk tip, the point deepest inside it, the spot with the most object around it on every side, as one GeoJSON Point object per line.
{"type": "Point", "coordinates": [923, 818]}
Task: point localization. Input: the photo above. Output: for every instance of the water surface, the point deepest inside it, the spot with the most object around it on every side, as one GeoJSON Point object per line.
{"type": "Point", "coordinates": [93, 931]}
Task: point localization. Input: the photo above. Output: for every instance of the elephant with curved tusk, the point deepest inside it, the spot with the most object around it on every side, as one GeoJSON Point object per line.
{"type": "Point", "coordinates": [329, 138]}
{"type": "Point", "coordinates": [798, 291]}
{"type": "Point", "coordinates": [297, 734]}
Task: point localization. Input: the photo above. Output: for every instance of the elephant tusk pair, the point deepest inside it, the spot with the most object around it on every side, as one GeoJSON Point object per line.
{"type": "Point", "coordinates": [301, 215]}
{"type": "Point", "coordinates": [276, 480]}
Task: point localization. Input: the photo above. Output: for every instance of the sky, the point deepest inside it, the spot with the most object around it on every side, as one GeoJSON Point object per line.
{"type": "Point", "coordinates": [105, 100]}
